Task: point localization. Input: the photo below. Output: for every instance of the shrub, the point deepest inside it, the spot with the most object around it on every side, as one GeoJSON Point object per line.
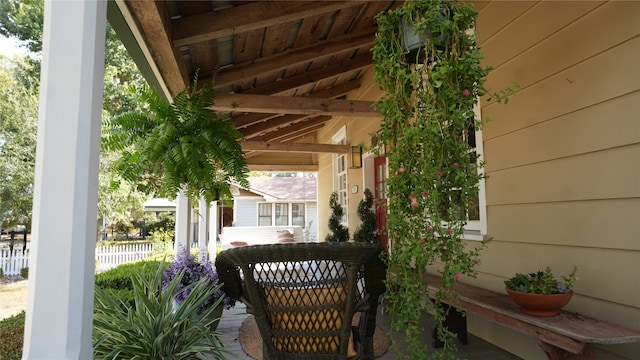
{"type": "Point", "coordinates": [117, 281]}
{"type": "Point", "coordinates": [24, 272]}
{"type": "Point", "coordinates": [339, 232]}
{"type": "Point", "coordinates": [1, 273]}
{"type": "Point", "coordinates": [11, 337]}
{"type": "Point", "coordinates": [366, 232]}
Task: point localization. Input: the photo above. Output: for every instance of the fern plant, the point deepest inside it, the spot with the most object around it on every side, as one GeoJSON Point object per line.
{"type": "Point", "coordinates": [171, 146]}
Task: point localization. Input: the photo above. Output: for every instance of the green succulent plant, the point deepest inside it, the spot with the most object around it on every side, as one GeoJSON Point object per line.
{"type": "Point", "coordinates": [542, 282]}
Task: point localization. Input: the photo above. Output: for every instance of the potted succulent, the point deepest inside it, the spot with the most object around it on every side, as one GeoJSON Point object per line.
{"type": "Point", "coordinates": [540, 293]}
{"type": "Point", "coordinates": [193, 272]}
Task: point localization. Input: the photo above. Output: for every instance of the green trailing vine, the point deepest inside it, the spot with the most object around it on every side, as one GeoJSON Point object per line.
{"type": "Point", "coordinates": [171, 146]}
{"type": "Point", "coordinates": [428, 112]}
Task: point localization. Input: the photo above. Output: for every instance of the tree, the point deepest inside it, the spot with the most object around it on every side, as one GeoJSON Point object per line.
{"type": "Point", "coordinates": [366, 232]}
{"type": "Point", "coordinates": [18, 124]}
{"type": "Point", "coordinates": [339, 231]}
{"type": "Point", "coordinates": [22, 19]}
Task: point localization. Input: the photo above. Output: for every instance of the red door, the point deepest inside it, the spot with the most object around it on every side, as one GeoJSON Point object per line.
{"type": "Point", "coordinates": [380, 177]}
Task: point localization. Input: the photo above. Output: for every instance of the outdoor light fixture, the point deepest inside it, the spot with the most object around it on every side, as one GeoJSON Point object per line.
{"type": "Point", "coordinates": [355, 153]}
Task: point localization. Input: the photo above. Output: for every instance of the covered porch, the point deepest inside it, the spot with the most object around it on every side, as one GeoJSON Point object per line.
{"type": "Point", "coordinates": [296, 79]}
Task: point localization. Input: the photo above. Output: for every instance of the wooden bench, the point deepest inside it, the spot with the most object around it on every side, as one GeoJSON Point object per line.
{"type": "Point", "coordinates": [566, 336]}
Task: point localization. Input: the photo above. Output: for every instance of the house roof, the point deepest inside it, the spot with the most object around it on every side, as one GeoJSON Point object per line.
{"type": "Point", "coordinates": [285, 67]}
{"type": "Point", "coordinates": [285, 188]}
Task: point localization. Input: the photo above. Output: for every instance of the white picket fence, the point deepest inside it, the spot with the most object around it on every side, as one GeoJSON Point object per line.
{"type": "Point", "coordinates": [107, 257]}
{"type": "Point", "coordinates": [12, 262]}
{"type": "Point", "coordinates": [110, 256]}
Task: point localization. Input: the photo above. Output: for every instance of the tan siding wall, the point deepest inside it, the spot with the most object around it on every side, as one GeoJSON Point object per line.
{"type": "Point", "coordinates": [563, 157]}
{"type": "Point", "coordinates": [358, 132]}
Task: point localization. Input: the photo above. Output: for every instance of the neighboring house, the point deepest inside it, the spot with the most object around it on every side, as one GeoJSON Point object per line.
{"type": "Point", "coordinates": [277, 201]}
{"type": "Point", "coordinates": [562, 157]}
{"type": "Point", "coordinates": [268, 201]}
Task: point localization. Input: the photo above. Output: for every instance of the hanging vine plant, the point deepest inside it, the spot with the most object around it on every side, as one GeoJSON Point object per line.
{"type": "Point", "coordinates": [428, 112]}
{"type": "Point", "coordinates": [180, 145]}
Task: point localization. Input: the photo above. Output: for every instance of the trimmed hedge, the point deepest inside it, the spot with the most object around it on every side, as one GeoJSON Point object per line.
{"type": "Point", "coordinates": [118, 279]}
{"type": "Point", "coordinates": [11, 337]}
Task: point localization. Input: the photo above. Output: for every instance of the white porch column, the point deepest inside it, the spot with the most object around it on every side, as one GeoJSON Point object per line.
{"type": "Point", "coordinates": [61, 276]}
{"type": "Point", "coordinates": [183, 220]}
{"type": "Point", "coordinates": [203, 229]}
{"type": "Point", "coordinates": [213, 230]}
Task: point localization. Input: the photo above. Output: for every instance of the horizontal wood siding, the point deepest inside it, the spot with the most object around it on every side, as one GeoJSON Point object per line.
{"type": "Point", "coordinates": [311, 209]}
{"type": "Point", "coordinates": [563, 155]}
{"type": "Point", "coordinates": [246, 211]}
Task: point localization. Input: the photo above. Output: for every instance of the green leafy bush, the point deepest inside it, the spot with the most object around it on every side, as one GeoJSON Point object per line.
{"type": "Point", "coordinates": [117, 281]}
{"type": "Point", "coordinates": [1, 273]}
{"type": "Point", "coordinates": [11, 337]}
{"type": "Point", "coordinates": [24, 272]}
{"type": "Point", "coordinates": [154, 328]}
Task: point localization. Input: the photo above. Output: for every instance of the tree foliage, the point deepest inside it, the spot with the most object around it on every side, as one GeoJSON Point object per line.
{"type": "Point", "coordinates": [168, 147]}
{"type": "Point", "coordinates": [18, 124]}
{"type": "Point", "coordinates": [22, 19]}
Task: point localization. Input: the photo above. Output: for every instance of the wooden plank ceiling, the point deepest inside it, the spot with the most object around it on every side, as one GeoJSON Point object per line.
{"type": "Point", "coordinates": [284, 67]}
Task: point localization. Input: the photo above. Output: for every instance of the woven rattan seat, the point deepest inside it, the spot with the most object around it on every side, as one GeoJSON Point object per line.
{"type": "Point", "coordinates": [304, 296]}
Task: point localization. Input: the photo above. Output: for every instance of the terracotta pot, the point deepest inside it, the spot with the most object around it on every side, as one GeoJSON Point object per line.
{"type": "Point", "coordinates": [540, 304]}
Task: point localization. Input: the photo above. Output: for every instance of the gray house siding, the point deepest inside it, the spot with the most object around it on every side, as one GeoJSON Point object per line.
{"type": "Point", "coordinates": [245, 211]}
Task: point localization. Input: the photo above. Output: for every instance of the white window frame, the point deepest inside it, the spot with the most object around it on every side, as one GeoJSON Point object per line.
{"type": "Point", "coordinates": [339, 175]}
{"type": "Point", "coordinates": [477, 229]}
{"type": "Point", "coordinates": [289, 205]}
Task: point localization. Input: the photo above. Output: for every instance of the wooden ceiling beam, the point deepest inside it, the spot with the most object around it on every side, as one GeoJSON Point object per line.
{"type": "Point", "coordinates": [293, 147]}
{"type": "Point", "coordinates": [286, 136]}
{"type": "Point", "coordinates": [156, 27]}
{"type": "Point", "coordinates": [284, 122]}
{"type": "Point", "coordinates": [271, 123]}
{"type": "Point", "coordinates": [293, 105]}
{"type": "Point", "coordinates": [242, 121]}
{"type": "Point", "coordinates": [313, 76]}
{"type": "Point", "coordinates": [281, 167]}
{"type": "Point", "coordinates": [294, 57]}
{"type": "Point", "coordinates": [238, 19]}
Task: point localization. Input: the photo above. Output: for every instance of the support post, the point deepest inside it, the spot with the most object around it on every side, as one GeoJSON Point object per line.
{"type": "Point", "coordinates": [203, 229]}
{"type": "Point", "coordinates": [183, 221]}
{"type": "Point", "coordinates": [59, 316]}
{"type": "Point", "coordinates": [213, 230]}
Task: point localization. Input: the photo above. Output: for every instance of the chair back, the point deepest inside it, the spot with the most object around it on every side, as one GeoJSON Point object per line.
{"type": "Point", "coordinates": [304, 296]}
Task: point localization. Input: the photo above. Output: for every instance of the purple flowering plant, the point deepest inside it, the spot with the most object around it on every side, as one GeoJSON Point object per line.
{"type": "Point", "coordinates": [193, 272]}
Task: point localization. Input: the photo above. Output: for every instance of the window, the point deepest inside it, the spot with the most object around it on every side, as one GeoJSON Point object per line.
{"type": "Point", "coordinates": [282, 214]}
{"type": "Point", "coordinates": [278, 214]}
{"type": "Point", "coordinates": [264, 214]}
{"type": "Point", "coordinates": [340, 172]}
{"type": "Point", "coordinates": [297, 214]}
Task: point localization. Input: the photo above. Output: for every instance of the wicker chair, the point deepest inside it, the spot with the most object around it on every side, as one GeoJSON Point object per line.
{"type": "Point", "coordinates": [304, 296]}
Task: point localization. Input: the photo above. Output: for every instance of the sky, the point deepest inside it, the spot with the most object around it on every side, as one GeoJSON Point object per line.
{"type": "Point", "coordinates": [10, 47]}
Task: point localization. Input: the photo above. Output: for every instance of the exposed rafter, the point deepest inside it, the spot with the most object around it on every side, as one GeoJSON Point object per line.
{"type": "Point", "coordinates": [295, 105]}
{"type": "Point", "coordinates": [293, 147]}
{"type": "Point", "coordinates": [261, 14]}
